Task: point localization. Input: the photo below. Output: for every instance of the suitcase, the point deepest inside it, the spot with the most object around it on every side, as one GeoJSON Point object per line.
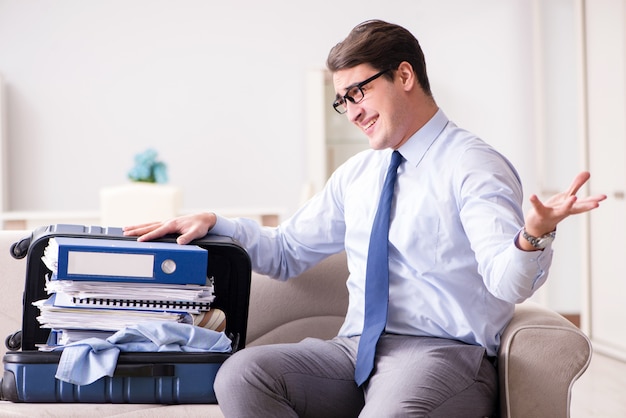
{"type": "Point", "coordinates": [141, 377]}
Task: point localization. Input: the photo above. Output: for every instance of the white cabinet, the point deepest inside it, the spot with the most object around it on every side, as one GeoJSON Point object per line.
{"type": "Point", "coordinates": [606, 90]}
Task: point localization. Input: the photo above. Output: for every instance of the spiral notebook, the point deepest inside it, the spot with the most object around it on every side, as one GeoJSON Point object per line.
{"type": "Point", "coordinates": [62, 299]}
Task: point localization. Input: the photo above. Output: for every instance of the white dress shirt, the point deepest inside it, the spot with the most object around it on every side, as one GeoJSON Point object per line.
{"type": "Point", "coordinates": [455, 270]}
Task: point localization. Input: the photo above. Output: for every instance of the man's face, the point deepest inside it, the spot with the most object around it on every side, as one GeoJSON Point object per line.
{"type": "Point", "coordinates": [380, 114]}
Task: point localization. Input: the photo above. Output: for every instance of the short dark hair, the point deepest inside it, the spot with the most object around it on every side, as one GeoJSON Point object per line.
{"type": "Point", "coordinates": [382, 45]}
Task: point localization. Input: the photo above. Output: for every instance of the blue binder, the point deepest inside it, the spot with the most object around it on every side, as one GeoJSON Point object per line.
{"type": "Point", "coordinates": [130, 261]}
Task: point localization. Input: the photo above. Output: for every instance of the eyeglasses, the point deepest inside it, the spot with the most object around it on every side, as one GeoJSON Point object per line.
{"type": "Point", "coordinates": [354, 94]}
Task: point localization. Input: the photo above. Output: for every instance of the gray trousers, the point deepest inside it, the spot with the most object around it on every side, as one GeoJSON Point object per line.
{"type": "Point", "coordinates": [413, 377]}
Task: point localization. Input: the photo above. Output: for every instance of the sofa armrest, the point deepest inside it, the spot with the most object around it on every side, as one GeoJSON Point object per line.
{"type": "Point", "coordinates": [541, 355]}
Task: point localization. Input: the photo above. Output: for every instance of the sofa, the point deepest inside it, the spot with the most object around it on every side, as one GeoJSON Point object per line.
{"type": "Point", "coordinates": [541, 355]}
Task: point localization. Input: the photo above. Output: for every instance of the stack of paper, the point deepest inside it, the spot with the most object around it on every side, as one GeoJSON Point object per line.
{"type": "Point", "coordinates": [100, 286]}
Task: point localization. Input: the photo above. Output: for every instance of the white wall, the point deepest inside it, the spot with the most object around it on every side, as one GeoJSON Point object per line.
{"type": "Point", "coordinates": [219, 90]}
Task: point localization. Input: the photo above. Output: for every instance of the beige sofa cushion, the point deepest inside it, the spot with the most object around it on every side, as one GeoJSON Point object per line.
{"type": "Point", "coordinates": [313, 304]}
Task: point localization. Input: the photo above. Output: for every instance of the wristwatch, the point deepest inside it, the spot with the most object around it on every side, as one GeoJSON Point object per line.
{"type": "Point", "coordinates": [539, 242]}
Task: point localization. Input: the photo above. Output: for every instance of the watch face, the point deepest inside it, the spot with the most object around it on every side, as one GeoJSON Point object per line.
{"type": "Point", "coordinates": [541, 242]}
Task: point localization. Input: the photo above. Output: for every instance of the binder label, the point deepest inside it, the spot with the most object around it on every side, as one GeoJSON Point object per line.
{"type": "Point", "coordinates": [110, 264]}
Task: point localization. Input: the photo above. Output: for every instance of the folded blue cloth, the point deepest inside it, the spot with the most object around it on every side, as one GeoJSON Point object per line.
{"type": "Point", "coordinates": [86, 361]}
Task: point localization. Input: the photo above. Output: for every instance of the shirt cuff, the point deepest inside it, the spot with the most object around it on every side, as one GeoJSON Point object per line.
{"type": "Point", "coordinates": [224, 226]}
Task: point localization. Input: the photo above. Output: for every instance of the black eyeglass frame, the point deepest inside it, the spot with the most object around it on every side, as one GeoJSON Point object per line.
{"type": "Point", "coordinates": [341, 100]}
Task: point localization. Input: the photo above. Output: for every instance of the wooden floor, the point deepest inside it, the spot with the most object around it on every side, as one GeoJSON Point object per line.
{"type": "Point", "coordinates": [601, 391]}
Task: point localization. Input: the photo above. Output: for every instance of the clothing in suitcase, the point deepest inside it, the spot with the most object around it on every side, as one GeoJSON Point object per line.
{"type": "Point", "coordinates": [140, 377]}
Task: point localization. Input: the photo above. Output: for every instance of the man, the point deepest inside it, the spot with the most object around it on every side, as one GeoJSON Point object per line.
{"type": "Point", "coordinates": [460, 254]}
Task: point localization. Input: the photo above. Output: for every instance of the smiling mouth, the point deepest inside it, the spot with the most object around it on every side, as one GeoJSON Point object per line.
{"type": "Point", "coordinates": [369, 125]}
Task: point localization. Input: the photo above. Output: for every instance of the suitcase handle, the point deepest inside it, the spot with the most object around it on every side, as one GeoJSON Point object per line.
{"type": "Point", "coordinates": [144, 370]}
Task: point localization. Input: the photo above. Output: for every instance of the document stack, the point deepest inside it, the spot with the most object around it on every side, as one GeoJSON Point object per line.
{"type": "Point", "coordinates": [100, 286]}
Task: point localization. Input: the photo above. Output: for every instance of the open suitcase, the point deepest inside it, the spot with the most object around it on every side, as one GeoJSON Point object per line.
{"type": "Point", "coordinates": [140, 377]}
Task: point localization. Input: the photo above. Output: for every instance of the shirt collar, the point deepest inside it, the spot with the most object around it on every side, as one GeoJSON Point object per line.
{"type": "Point", "coordinates": [416, 147]}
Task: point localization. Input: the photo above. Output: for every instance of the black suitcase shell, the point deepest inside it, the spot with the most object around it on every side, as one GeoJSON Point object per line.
{"type": "Point", "coordinates": [139, 377]}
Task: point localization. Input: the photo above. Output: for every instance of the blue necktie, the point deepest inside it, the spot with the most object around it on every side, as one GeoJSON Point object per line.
{"type": "Point", "coordinates": [377, 278]}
